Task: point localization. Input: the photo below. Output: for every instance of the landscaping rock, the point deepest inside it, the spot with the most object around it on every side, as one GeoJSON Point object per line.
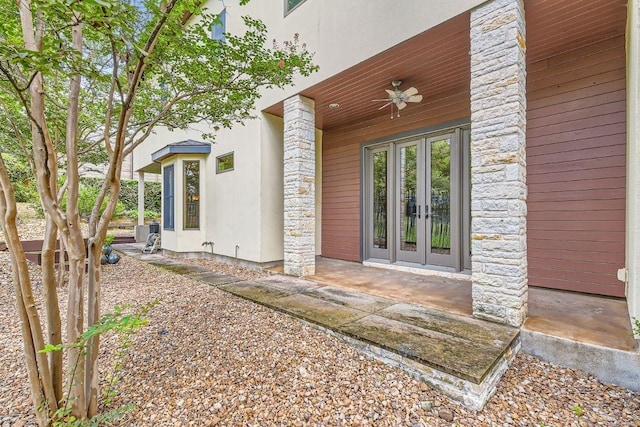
{"type": "Point", "coordinates": [209, 358]}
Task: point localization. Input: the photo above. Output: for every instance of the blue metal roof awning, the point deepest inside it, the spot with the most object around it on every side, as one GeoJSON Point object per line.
{"type": "Point", "coordinates": [183, 147]}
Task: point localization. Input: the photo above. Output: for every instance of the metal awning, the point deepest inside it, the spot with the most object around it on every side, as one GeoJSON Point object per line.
{"type": "Point", "coordinates": [183, 147]}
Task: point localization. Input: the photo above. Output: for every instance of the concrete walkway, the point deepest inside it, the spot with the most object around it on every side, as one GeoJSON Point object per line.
{"type": "Point", "coordinates": [461, 356]}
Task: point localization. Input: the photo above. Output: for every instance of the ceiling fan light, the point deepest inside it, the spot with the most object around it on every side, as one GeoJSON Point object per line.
{"type": "Point", "coordinates": [398, 98]}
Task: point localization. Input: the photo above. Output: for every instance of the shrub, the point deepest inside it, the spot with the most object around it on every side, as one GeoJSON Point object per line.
{"type": "Point", "coordinates": [24, 184]}
{"type": "Point", "coordinates": [148, 214]}
{"type": "Point", "coordinates": [129, 193]}
{"type": "Point", "coordinates": [87, 196]}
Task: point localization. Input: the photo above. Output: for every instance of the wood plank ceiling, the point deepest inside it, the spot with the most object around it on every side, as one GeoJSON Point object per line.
{"type": "Point", "coordinates": [437, 61]}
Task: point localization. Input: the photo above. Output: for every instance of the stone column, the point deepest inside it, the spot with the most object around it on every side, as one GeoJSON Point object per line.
{"type": "Point", "coordinates": [299, 186]}
{"type": "Point", "coordinates": [498, 162]}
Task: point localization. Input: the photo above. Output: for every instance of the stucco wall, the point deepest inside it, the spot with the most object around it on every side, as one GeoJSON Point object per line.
{"type": "Point", "coordinates": [341, 33]}
{"type": "Point", "coordinates": [233, 210]}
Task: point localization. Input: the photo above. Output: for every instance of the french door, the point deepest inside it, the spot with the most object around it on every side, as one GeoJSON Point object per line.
{"type": "Point", "coordinates": [416, 201]}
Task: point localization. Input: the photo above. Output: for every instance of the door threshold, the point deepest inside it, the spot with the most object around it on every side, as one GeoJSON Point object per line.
{"type": "Point", "coordinates": [425, 270]}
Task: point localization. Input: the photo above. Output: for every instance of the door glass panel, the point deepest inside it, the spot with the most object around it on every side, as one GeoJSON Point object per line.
{"type": "Point", "coordinates": [380, 200]}
{"type": "Point", "coordinates": [408, 205]}
{"type": "Point", "coordinates": [441, 197]}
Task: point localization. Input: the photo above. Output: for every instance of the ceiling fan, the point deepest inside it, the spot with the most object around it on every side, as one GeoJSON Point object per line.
{"type": "Point", "coordinates": [399, 98]}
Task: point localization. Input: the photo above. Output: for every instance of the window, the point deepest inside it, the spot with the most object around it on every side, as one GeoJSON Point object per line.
{"type": "Point", "coordinates": [191, 194]}
{"type": "Point", "coordinates": [218, 28]}
{"type": "Point", "coordinates": [168, 214]}
{"type": "Point", "coordinates": [224, 163]}
{"type": "Point", "coordinates": [289, 5]}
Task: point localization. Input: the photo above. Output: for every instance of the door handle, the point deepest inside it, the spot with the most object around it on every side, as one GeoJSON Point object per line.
{"type": "Point", "coordinates": [418, 211]}
{"type": "Point", "coordinates": [426, 212]}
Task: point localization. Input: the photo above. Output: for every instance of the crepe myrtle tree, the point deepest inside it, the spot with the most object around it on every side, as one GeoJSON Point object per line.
{"type": "Point", "coordinates": [90, 80]}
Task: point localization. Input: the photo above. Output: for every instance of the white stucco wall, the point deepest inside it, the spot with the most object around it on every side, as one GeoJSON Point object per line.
{"type": "Point", "coordinates": [233, 209]}
{"type": "Point", "coordinates": [342, 33]}
{"type": "Point", "coordinates": [272, 183]}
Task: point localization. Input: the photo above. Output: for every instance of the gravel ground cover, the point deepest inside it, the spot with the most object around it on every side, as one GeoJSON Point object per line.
{"type": "Point", "coordinates": [208, 358]}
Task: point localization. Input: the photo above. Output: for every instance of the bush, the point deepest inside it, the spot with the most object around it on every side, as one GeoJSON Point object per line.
{"type": "Point", "coordinates": [24, 184]}
{"type": "Point", "coordinates": [87, 196]}
{"type": "Point", "coordinates": [148, 214]}
{"type": "Point", "coordinates": [89, 190]}
{"type": "Point", "coordinates": [129, 193]}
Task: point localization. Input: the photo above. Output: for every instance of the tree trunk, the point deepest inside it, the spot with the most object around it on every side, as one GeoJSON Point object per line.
{"type": "Point", "coordinates": [91, 378]}
{"type": "Point", "coordinates": [37, 364]}
{"type": "Point", "coordinates": [75, 245]}
{"type": "Point", "coordinates": [49, 282]}
{"type": "Point", "coordinates": [75, 320]}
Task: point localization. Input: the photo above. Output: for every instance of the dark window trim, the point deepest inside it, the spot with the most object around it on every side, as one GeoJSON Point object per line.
{"type": "Point", "coordinates": [218, 171]}
{"type": "Point", "coordinates": [169, 205]}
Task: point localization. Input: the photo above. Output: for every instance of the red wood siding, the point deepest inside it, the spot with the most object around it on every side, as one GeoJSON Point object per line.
{"type": "Point", "coordinates": [341, 166]}
{"type": "Point", "coordinates": [576, 144]}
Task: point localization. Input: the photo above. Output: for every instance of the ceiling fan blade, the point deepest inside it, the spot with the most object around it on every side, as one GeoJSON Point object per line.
{"type": "Point", "coordinates": [391, 93]}
{"type": "Point", "coordinates": [410, 91]}
{"type": "Point", "coordinates": [386, 105]}
{"type": "Point", "coordinates": [414, 98]}
{"type": "Point", "coordinates": [401, 105]}
{"type": "Point", "coordinates": [385, 100]}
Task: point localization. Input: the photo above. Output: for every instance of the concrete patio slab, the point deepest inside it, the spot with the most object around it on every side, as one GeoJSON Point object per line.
{"type": "Point", "coordinates": [357, 300]}
{"type": "Point", "coordinates": [289, 283]}
{"type": "Point", "coordinates": [460, 357]}
{"type": "Point", "coordinates": [317, 311]}
{"type": "Point", "coordinates": [451, 295]}
{"type": "Point", "coordinates": [213, 278]}
{"type": "Point", "coordinates": [590, 319]}
{"type": "Point", "coordinates": [492, 336]}
{"type": "Point", "coordinates": [255, 291]}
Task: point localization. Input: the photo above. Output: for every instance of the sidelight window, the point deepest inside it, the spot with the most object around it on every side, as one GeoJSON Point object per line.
{"type": "Point", "coordinates": [168, 213]}
{"type": "Point", "coordinates": [191, 194]}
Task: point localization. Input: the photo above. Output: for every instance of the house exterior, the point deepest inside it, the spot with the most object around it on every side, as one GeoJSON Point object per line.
{"type": "Point", "coordinates": [518, 167]}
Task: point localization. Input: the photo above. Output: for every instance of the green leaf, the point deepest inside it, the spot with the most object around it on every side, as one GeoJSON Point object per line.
{"type": "Point", "coordinates": [48, 348]}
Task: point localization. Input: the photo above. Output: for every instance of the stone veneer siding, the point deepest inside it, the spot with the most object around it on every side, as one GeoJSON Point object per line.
{"type": "Point", "coordinates": [299, 186]}
{"type": "Point", "coordinates": [498, 162]}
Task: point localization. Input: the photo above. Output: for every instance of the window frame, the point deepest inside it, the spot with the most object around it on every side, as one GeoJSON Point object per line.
{"type": "Point", "coordinates": [233, 162]}
{"type": "Point", "coordinates": [169, 197]}
{"type": "Point", "coordinates": [286, 6]}
{"type": "Point", "coordinates": [218, 30]}
{"type": "Point", "coordinates": [187, 203]}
